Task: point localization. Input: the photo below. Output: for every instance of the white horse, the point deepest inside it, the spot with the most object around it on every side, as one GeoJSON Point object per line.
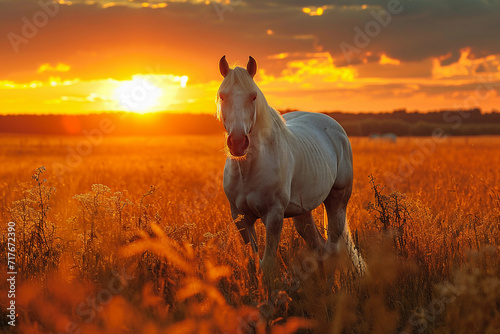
{"type": "Point", "coordinates": [281, 167]}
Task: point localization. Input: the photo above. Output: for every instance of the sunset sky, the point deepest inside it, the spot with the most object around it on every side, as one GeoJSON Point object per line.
{"type": "Point", "coordinates": [375, 55]}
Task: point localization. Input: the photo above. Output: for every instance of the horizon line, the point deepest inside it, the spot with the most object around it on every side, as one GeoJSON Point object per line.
{"type": "Point", "coordinates": [287, 110]}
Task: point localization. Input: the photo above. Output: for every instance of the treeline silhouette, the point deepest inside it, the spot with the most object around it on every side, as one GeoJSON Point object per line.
{"type": "Point", "coordinates": [399, 122]}
{"type": "Point", "coordinates": [402, 123]}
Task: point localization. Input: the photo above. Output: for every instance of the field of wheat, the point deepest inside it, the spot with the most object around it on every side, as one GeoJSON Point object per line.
{"type": "Point", "coordinates": [134, 235]}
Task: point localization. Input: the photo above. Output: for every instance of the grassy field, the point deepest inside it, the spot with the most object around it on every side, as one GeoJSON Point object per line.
{"type": "Point", "coordinates": [133, 235]}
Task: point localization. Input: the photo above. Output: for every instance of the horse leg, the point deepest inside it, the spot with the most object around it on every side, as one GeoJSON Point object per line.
{"type": "Point", "coordinates": [304, 224]}
{"type": "Point", "coordinates": [335, 206]}
{"type": "Point", "coordinates": [274, 223]}
{"type": "Point", "coordinates": [246, 226]}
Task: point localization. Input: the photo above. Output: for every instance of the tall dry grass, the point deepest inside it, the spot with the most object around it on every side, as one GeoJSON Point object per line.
{"type": "Point", "coordinates": [137, 238]}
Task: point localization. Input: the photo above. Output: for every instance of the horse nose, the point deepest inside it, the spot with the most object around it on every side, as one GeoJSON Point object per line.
{"type": "Point", "coordinates": [238, 144]}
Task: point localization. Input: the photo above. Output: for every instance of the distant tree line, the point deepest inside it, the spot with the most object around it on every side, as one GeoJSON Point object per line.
{"type": "Point", "coordinates": [400, 122]}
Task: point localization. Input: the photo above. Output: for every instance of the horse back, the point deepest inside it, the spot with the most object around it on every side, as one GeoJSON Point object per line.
{"type": "Point", "coordinates": [322, 141]}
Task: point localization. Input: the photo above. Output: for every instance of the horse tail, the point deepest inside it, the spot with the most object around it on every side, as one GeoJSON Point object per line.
{"type": "Point", "coordinates": [354, 255]}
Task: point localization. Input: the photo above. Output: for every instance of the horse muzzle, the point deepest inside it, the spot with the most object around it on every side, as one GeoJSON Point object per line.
{"type": "Point", "coordinates": [238, 144]}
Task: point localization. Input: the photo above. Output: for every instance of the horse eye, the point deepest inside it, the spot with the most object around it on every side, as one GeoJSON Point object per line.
{"type": "Point", "coordinates": [221, 97]}
{"type": "Point", "coordinates": [254, 97]}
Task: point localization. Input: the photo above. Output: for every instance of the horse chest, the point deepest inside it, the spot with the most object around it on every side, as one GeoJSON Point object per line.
{"type": "Point", "coordinates": [253, 193]}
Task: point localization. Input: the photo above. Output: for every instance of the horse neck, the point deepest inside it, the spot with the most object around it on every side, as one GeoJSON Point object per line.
{"type": "Point", "coordinates": [269, 123]}
{"type": "Point", "coordinates": [267, 136]}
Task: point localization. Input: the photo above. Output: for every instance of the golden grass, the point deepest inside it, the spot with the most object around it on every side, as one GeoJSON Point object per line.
{"type": "Point", "coordinates": [136, 237]}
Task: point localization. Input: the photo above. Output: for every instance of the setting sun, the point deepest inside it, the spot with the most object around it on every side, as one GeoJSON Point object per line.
{"type": "Point", "coordinates": [138, 95]}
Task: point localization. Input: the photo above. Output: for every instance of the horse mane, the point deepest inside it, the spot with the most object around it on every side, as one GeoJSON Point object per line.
{"type": "Point", "coordinates": [267, 117]}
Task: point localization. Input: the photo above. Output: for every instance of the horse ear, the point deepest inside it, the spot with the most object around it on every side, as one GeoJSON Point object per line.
{"type": "Point", "coordinates": [252, 66]}
{"type": "Point", "coordinates": [223, 66]}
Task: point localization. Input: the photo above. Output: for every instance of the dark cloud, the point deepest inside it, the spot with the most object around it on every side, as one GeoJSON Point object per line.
{"type": "Point", "coordinates": [189, 38]}
{"type": "Point", "coordinates": [423, 29]}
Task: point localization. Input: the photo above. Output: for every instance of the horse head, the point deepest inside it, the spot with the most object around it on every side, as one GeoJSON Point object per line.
{"type": "Point", "coordinates": [237, 104]}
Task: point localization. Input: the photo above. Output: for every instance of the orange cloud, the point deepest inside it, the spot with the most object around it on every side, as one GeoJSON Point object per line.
{"type": "Point", "coordinates": [57, 68]}
{"type": "Point", "coordinates": [384, 60]}
{"type": "Point", "coordinates": [314, 11]}
{"type": "Point", "coordinates": [317, 69]}
{"type": "Point", "coordinates": [467, 66]}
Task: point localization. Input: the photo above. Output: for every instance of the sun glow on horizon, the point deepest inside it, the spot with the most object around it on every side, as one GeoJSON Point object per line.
{"type": "Point", "coordinates": [306, 81]}
{"type": "Point", "coordinates": [138, 95]}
